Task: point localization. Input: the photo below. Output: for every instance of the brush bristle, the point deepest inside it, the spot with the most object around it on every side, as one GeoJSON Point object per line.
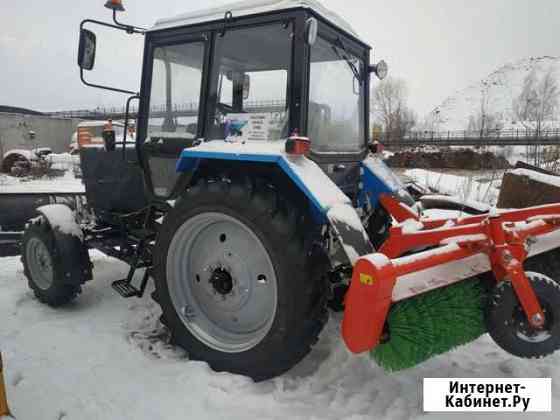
{"type": "Point", "coordinates": [431, 324]}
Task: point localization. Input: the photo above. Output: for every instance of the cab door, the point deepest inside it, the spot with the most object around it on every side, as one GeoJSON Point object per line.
{"type": "Point", "coordinates": [173, 122]}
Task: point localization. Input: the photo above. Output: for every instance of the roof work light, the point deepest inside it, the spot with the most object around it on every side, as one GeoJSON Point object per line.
{"type": "Point", "coordinates": [115, 5]}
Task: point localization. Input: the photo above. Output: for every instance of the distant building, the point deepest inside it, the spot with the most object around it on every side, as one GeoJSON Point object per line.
{"type": "Point", "coordinates": [16, 123]}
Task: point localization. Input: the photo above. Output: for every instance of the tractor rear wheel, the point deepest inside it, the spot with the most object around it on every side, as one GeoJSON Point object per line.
{"type": "Point", "coordinates": [240, 282]}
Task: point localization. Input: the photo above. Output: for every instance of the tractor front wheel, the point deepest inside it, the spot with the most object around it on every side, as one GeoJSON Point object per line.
{"type": "Point", "coordinates": [43, 265]}
{"type": "Point", "coordinates": [238, 280]}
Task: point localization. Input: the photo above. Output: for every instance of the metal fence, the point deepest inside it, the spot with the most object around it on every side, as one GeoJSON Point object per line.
{"type": "Point", "coordinates": [188, 109]}
{"type": "Point", "coordinates": [515, 137]}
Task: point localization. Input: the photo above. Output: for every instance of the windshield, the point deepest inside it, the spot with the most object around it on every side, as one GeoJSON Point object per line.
{"type": "Point", "coordinates": [336, 92]}
{"type": "Point", "coordinates": [252, 85]}
{"type": "Point", "coordinates": [175, 94]}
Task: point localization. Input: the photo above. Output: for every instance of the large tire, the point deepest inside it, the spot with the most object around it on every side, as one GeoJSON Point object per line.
{"type": "Point", "coordinates": [547, 263]}
{"type": "Point", "coordinates": [378, 227]}
{"type": "Point", "coordinates": [507, 323]}
{"type": "Point", "coordinates": [283, 234]}
{"type": "Point", "coordinates": [44, 267]}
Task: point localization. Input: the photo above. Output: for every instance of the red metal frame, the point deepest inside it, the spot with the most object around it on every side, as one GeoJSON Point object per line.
{"type": "Point", "coordinates": [502, 236]}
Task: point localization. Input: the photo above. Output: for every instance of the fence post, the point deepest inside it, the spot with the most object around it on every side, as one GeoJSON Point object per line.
{"type": "Point", "coordinates": [4, 410]}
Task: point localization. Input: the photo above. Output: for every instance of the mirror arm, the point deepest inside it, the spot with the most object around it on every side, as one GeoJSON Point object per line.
{"type": "Point", "coordinates": [99, 22]}
{"type": "Point", "coordinates": [109, 25]}
{"type": "Point", "coordinates": [85, 82]}
{"type": "Point", "coordinates": [128, 28]}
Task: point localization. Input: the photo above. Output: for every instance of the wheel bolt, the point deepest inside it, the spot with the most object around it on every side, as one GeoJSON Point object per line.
{"type": "Point", "coordinates": [537, 319]}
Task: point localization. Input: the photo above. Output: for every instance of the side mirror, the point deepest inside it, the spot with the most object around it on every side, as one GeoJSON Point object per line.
{"type": "Point", "coordinates": [246, 86]}
{"type": "Point", "coordinates": [86, 49]}
{"type": "Point", "coordinates": [311, 29]}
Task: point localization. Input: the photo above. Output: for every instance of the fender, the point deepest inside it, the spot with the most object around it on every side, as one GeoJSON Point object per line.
{"type": "Point", "coordinates": [377, 179]}
{"type": "Point", "coordinates": [327, 200]}
{"type": "Point", "coordinates": [69, 240]}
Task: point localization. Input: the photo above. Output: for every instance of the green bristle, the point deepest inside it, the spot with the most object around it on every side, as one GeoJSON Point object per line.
{"type": "Point", "coordinates": [431, 324]}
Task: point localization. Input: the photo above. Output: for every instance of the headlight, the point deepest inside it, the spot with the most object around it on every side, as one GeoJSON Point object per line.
{"type": "Point", "coordinates": [381, 70]}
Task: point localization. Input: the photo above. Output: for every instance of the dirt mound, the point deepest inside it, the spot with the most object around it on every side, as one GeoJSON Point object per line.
{"type": "Point", "coordinates": [448, 159]}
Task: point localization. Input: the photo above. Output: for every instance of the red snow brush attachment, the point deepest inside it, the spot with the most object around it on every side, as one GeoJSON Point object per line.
{"type": "Point", "coordinates": [297, 145]}
{"type": "Point", "coordinates": [367, 302]}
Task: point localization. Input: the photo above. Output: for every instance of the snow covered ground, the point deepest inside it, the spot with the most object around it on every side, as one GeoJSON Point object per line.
{"type": "Point", "coordinates": [475, 187]}
{"type": "Point", "coordinates": [104, 357]}
{"type": "Point", "coordinates": [64, 184]}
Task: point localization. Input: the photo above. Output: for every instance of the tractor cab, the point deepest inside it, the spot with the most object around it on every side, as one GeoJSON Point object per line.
{"type": "Point", "coordinates": [254, 71]}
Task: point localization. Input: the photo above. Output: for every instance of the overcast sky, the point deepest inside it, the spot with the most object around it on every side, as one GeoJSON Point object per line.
{"type": "Point", "coordinates": [437, 46]}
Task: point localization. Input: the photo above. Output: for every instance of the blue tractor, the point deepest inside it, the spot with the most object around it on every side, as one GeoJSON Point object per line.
{"type": "Point", "coordinates": [249, 191]}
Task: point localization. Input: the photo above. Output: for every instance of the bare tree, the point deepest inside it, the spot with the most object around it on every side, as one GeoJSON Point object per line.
{"type": "Point", "coordinates": [536, 106]}
{"type": "Point", "coordinates": [484, 121]}
{"type": "Point", "coordinates": [389, 107]}
{"type": "Point", "coordinates": [538, 101]}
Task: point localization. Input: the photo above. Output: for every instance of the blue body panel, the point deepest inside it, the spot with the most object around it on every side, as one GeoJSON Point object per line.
{"type": "Point", "coordinates": [190, 159]}
{"type": "Point", "coordinates": [377, 178]}
{"type": "Point", "coordinates": [329, 205]}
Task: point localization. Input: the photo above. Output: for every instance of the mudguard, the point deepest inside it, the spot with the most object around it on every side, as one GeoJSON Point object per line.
{"type": "Point", "coordinates": [69, 240]}
{"type": "Point", "coordinates": [378, 179]}
{"type": "Point", "coordinates": [328, 201]}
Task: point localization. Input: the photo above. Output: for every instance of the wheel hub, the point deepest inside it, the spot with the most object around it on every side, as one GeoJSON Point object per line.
{"type": "Point", "coordinates": [526, 331]}
{"type": "Point", "coordinates": [222, 281]}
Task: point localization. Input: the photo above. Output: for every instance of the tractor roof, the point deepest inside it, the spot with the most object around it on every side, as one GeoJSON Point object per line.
{"type": "Point", "coordinates": [252, 7]}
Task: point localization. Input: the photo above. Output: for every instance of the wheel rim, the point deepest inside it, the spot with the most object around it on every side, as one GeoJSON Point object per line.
{"type": "Point", "coordinates": [40, 263]}
{"type": "Point", "coordinates": [222, 282]}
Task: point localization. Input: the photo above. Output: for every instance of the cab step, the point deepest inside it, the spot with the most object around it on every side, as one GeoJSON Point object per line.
{"type": "Point", "coordinates": [126, 289]}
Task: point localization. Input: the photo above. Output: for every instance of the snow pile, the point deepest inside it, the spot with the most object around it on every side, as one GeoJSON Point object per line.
{"type": "Point", "coordinates": [62, 218]}
{"type": "Point", "coordinates": [65, 184]}
{"type": "Point", "coordinates": [464, 238]}
{"type": "Point", "coordinates": [62, 161]}
{"type": "Point", "coordinates": [501, 87]}
{"type": "Point", "coordinates": [477, 205]}
{"type": "Point", "coordinates": [251, 7]}
{"type": "Point", "coordinates": [538, 177]}
{"type": "Point", "coordinates": [468, 189]}
{"type": "Point", "coordinates": [411, 226]}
